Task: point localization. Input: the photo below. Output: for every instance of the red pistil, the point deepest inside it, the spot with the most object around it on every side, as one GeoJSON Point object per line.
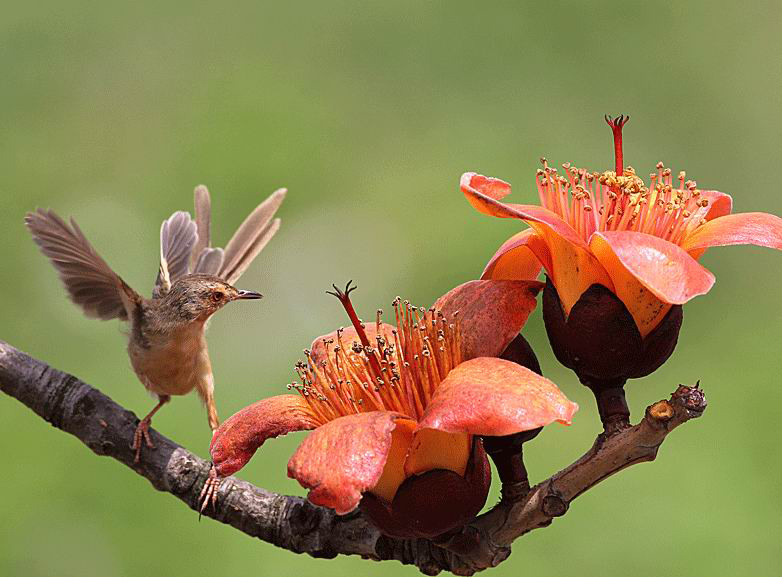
{"type": "Point", "coordinates": [616, 125]}
{"type": "Point", "coordinates": [344, 298]}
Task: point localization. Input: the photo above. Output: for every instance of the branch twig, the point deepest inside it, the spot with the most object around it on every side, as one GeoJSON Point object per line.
{"type": "Point", "coordinates": [295, 524]}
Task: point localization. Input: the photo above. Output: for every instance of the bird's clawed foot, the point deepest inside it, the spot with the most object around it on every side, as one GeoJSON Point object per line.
{"type": "Point", "coordinates": [142, 432]}
{"type": "Point", "coordinates": [209, 491]}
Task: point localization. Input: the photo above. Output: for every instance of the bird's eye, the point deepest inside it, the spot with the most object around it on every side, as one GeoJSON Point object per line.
{"type": "Point", "coordinates": [217, 296]}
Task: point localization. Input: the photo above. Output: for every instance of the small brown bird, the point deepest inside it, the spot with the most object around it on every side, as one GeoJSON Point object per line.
{"type": "Point", "coordinates": [167, 345]}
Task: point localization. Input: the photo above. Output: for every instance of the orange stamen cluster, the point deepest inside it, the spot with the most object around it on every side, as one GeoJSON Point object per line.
{"type": "Point", "coordinates": [398, 372]}
{"type": "Point", "coordinates": [592, 202]}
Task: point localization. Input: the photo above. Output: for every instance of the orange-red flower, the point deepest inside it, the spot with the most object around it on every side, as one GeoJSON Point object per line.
{"type": "Point", "coordinates": [607, 236]}
{"type": "Point", "coordinates": [641, 242]}
{"type": "Point", "coordinates": [396, 409]}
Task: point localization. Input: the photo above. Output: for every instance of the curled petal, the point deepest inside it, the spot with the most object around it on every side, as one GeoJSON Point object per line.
{"type": "Point", "coordinates": [758, 228]}
{"type": "Point", "coordinates": [649, 274]}
{"type": "Point", "coordinates": [343, 458]}
{"type": "Point", "coordinates": [720, 204]}
{"type": "Point", "coordinates": [492, 313]}
{"type": "Point", "coordinates": [484, 193]}
{"type": "Point", "coordinates": [236, 440]}
{"type": "Point", "coordinates": [494, 188]}
{"type": "Point", "coordinates": [516, 259]}
{"type": "Point", "coordinates": [488, 396]}
{"type": "Point", "coordinates": [569, 262]}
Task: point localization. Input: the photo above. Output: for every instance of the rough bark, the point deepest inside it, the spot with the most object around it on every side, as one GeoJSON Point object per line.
{"type": "Point", "coordinates": [295, 524]}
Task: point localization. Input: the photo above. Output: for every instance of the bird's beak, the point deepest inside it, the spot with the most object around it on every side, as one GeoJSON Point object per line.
{"type": "Point", "coordinates": [248, 295]}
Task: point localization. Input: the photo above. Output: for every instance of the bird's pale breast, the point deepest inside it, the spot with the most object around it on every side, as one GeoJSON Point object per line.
{"type": "Point", "coordinates": [173, 364]}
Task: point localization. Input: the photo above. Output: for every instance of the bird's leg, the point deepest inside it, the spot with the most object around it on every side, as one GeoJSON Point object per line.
{"type": "Point", "coordinates": [211, 411]}
{"type": "Point", "coordinates": [212, 484]}
{"type": "Point", "coordinates": [206, 390]}
{"type": "Point", "coordinates": [209, 491]}
{"type": "Point", "coordinates": [142, 430]}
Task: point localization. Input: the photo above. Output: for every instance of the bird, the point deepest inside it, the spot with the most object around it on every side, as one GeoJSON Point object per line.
{"type": "Point", "coordinates": [166, 337]}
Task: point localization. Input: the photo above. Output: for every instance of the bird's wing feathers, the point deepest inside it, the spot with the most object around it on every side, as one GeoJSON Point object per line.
{"type": "Point", "coordinates": [232, 270]}
{"type": "Point", "coordinates": [184, 246]}
{"type": "Point", "coordinates": [178, 236]}
{"type": "Point", "coordinates": [205, 260]}
{"type": "Point", "coordinates": [203, 218]}
{"type": "Point", "coordinates": [250, 238]}
{"type": "Point", "coordinates": [90, 282]}
{"type": "Point", "coordinates": [209, 261]}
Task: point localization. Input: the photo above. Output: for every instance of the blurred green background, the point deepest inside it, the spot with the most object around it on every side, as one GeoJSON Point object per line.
{"type": "Point", "coordinates": [369, 112]}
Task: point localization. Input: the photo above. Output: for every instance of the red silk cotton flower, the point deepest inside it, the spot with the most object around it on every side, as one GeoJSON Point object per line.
{"type": "Point", "coordinates": [621, 256]}
{"type": "Point", "coordinates": [396, 410]}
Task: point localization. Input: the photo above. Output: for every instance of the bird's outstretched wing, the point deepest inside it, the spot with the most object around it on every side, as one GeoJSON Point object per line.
{"type": "Point", "coordinates": [90, 282]}
{"type": "Point", "coordinates": [203, 218]}
{"type": "Point", "coordinates": [248, 240]}
{"type": "Point", "coordinates": [178, 238]}
{"type": "Point", "coordinates": [205, 259]}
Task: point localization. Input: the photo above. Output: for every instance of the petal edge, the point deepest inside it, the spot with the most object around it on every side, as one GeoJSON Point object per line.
{"type": "Point", "coordinates": [518, 258]}
{"type": "Point", "coordinates": [239, 437]}
{"type": "Point", "coordinates": [492, 313]}
{"type": "Point", "coordinates": [758, 228]}
{"type": "Point", "coordinates": [343, 458]}
{"type": "Point", "coordinates": [488, 396]}
{"type": "Point", "coordinates": [665, 269]}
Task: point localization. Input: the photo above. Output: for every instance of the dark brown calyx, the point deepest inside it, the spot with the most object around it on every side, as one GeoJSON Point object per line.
{"type": "Point", "coordinates": [601, 343]}
{"type": "Point", "coordinates": [433, 503]}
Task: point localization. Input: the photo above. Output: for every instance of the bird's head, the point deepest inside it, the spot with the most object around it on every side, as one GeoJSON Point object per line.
{"type": "Point", "coordinates": [198, 296]}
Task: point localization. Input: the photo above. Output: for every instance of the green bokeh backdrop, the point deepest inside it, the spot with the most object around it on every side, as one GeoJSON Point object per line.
{"type": "Point", "coordinates": [369, 112]}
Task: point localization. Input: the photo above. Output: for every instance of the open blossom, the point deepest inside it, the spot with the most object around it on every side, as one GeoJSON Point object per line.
{"type": "Point", "coordinates": [610, 240]}
{"type": "Point", "coordinates": [396, 409]}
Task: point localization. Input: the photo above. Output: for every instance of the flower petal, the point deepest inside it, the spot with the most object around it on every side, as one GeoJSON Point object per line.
{"type": "Point", "coordinates": [433, 449]}
{"type": "Point", "coordinates": [570, 264]}
{"type": "Point", "coordinates": [720, 204]}
{"type": "Point", "coordinates": [485, 186]}
{"type": "Point", "coordinates": [236, 440]}
{"type": "Point", "coordinates": [492, 313]}
{"type": "Point", "coordinates": [758, 228]}
{"type": "Point", "coordinates": [516, 259]}
{"type": "Point", "coordinates": [573, 268]}
{"type": "Point", "coordinates": [343, 458]}
{"type": "Point", "coordinates": [485, 192]}
{"type": "Point", "coordinates": [649, 274]}
{"type": "Point", "coordinates": [394, 470]}
{"type": "Point", "coordinates": [488, 396]}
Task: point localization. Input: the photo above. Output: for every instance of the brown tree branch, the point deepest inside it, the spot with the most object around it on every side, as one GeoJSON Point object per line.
{"type": "Point", "coordinates": [295, 524]}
